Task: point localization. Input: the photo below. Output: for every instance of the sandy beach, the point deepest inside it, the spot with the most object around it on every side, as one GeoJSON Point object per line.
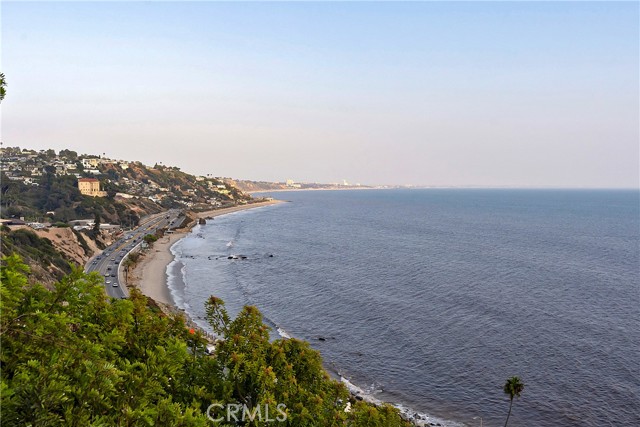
{"type": "Point", "coordinates": [218, 212]}
{"type": "Point", "coordinates": [150, 276]}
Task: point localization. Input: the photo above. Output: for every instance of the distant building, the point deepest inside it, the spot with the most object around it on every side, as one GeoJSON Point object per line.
{"type": "Point", "coordinates": [292, 184]}
{"type": "Point", "coordinates": [90, 187]}
{"type": "Point", "coordinates": [90, 163]}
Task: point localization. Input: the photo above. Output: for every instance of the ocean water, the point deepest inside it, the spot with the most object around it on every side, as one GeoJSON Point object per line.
{"type": "Point", "coordinates": [430, 299]}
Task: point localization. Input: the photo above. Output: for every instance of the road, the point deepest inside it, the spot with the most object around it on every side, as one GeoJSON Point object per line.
{"type": "Point", "coordinates": [109, 262]}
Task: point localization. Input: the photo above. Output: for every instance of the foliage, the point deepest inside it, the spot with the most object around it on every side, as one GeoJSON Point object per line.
{"type": "Point", "coordinates": [129, 263]}
{"type": "Point", "coordinates": [59, 194]}
{"type": "Point", "coordinates": [72, 357]}
{"type": "Point", "coordinates": [69, 155]}
{"type": "Point", "coordinates": [150, 238]}
{"type": "Point", "coordinates": [263, 372]}
{"type": "Point", "coordinates": [513, 387]}
{"type": "Point", "coordinates": [48, 189]}
{"type": "Point", "coordinates": [3, 84]}
{"type": "Point", "coordinates": [36, 249]}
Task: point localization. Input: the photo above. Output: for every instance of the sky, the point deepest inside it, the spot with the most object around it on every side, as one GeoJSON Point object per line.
{"type": "Point", "coordinates": [534, 94]}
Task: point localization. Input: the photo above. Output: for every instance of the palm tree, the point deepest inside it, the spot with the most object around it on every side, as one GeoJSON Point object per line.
{"type": "Point", "coordinates": [513, 387]}
{"type": "Point", "coordinates": [3, 83]}
{"type": "Point", "coordinates": [128, 263]}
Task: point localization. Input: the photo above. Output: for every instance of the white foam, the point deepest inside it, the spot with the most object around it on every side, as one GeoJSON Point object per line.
{"type": "Point", "coordinates": [418, 418]}
{"type": "Point", "coordinates": [357, 391]}
{"type": "Point", "coordinates": [283, 333]}
{"type": "Point", "coordinates": [176, 294]}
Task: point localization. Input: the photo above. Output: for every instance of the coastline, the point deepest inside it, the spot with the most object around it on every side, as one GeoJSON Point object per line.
{"type": "Point", "coordinates": [217, 212]}
{"type": "Point", "coordinates": [150, 273]}
{"type": "Point", "coordinates": [150, 276]}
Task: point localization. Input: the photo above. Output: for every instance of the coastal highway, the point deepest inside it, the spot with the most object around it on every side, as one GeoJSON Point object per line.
{"type": "Point", "coordinates": [109, 261]}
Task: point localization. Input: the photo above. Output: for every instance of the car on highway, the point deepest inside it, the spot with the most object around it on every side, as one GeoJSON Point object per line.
{"type": "Point", "coordinates": [115, 285]}
{"type": "Point", "coordinates": [108, 282]}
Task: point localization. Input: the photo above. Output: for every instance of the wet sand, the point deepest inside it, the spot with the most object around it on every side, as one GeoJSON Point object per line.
{"type": "Point", "coordinates": [150, 274]}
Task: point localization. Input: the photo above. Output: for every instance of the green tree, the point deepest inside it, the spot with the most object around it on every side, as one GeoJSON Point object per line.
{"type": "Point", "coordinates": [69, 154]}
{"type": "Point", "coordinates": [50, 154]}
{"type": "Point", "coordinates": [513, 387]}
{"type": "Point", "coordinates": [3, 84]}
{"type": "Point", "coordinates": [128, 265]}
{"type": "Point", "coordinates": [96, 223]}
{"type": "Point", "coordinates": [73, 357]}
{"type": "Point", "coordinates": [149, 239]}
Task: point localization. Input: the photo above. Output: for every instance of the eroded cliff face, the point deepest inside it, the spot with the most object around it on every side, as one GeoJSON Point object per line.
{"type": "Point", "coordinates": [68, 243]}
{"type": "Point", "coordinates": [76, 248]}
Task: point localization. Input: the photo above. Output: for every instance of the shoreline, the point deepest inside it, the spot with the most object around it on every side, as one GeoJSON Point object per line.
{"type": "Point", "coordinates": [223, 211]}
{"type": "Point", "coordinates": [150, 274]}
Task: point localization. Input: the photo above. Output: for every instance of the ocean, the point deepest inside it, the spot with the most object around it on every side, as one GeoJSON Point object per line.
{"type": "Point", "coordinates": [430, 299]}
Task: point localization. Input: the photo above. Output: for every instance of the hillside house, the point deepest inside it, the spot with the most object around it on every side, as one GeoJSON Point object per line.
{"type": "Point", "coordinates": [90, 163]}
{"type": "Point", "coordinates": [90, 187]}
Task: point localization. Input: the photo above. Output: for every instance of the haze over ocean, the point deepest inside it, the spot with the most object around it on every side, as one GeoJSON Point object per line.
{"type": "Point", "coordinates": [493, 94]}
{"type": "Point", "coordinates": [432, 298]}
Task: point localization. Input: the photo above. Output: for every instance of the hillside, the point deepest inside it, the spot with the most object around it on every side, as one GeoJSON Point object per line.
{"type": "Point", "coordinates": [44, 186]}
{"type": "Point", "coordinates": [52, 224]}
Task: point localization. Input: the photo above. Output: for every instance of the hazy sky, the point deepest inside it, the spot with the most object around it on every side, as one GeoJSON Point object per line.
{"type": "Point", "coordinates": [516, 94]}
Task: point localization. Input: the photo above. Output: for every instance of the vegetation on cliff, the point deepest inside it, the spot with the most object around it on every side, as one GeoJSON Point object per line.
{"type": "Point", "coordinates": [40, 188]}
{"type": "Point", "coordinates": [37, 252]}
{"type": "Point", "coordinates": [44, 184]}
{"type": "Point", "coordinates": [72, 357]}
{"type": "Point", "coordinates": [58, 199]}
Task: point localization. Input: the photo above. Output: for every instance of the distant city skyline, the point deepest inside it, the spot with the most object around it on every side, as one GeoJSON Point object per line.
{"type": "Point", "coordinates": [489, 94]}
